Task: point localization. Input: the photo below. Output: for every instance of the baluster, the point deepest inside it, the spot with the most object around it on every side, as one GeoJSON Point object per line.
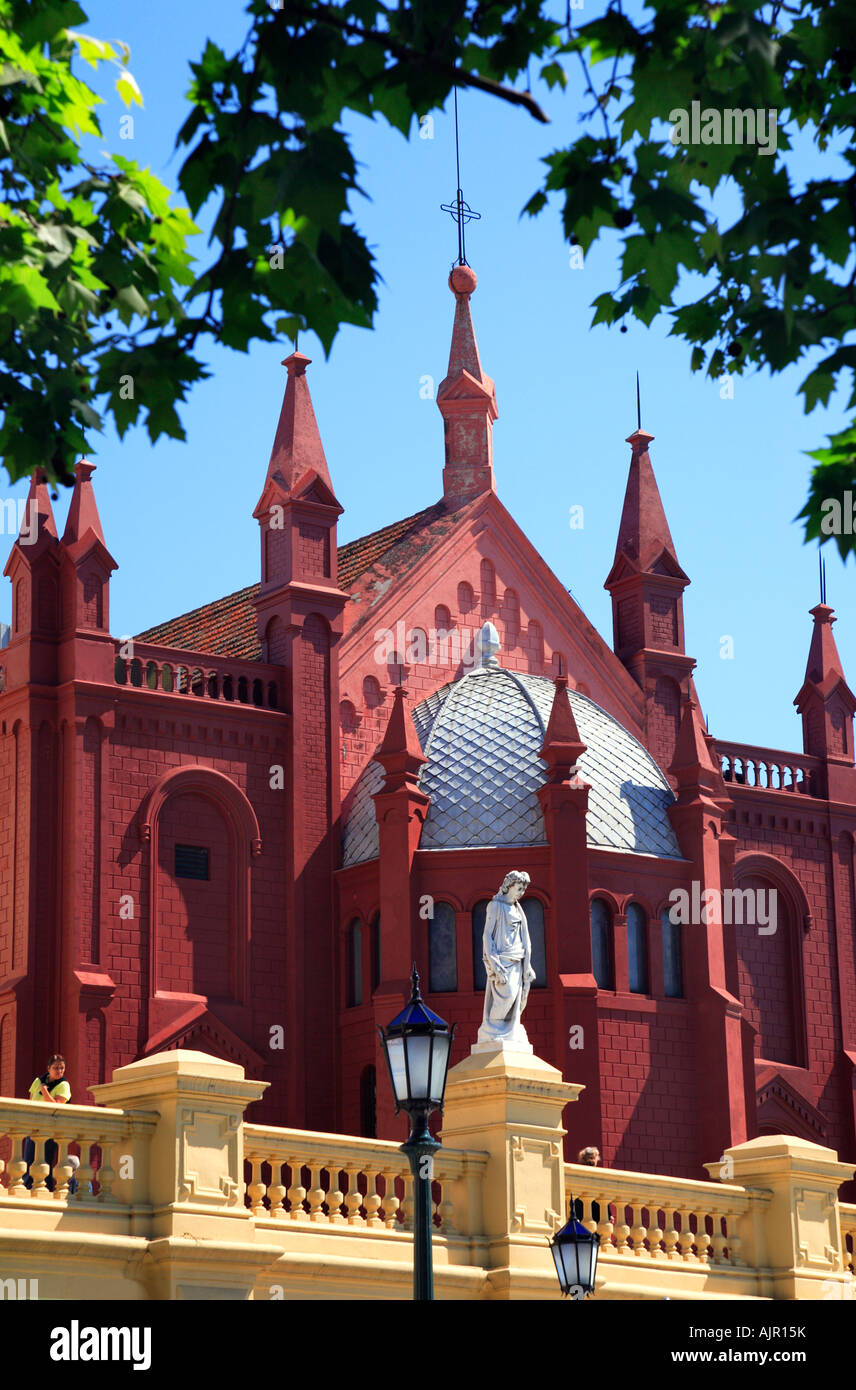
{"type": "Point", "coordinates": [354, 1200]}
{"type": "Point", "coordinates": [672, 1235]}
{"type": "Point", "coordinates": [605, 1226]}
{"type": "Point", "coordinates": [704, 1242]}
{"type": "Point", "coordinates": [276, 1191]}
{"type": "Point", "coordinates": [622, 1230]}
{"type": "Point", "coordinates": [639, 1231]}
{"type": "Point", "coordinates": [732, 1239]}
{"type": "Point", "coordinates": [85, 1173]}
{"type": "Point", "coordinates": [296, 1193]}
{"type": "Point", "coordinates": [655, 1236]}
{"type": "Point", "coordinates": [719, 1240]}
{"type": "Point", "coordinates": [335, 1196]}
{"type": "Point", "coordinates": [315, 1194]}
{"type": "Point", "coordinates": [63, 1171]}
{"type": "Point", "coordinates": [372, 1199]}
{"type": "Point", "coordinates": [408, 1203]}
{"type": "Point", "coordinates": [256, 1188]}
{"type": "Point", "coordinates": [390, 1201]}
{"type": "Point", "coordinates": [686, 1237]}
{"type": "Point", "coordinates": [39, 1169]}
{"type": "Point", "coordinates": [106, 1175]}
{"type": "Point", "coordinates": [16, 1168]}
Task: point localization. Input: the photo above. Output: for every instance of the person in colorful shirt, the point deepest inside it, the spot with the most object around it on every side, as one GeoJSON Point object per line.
{"type": "Point", "coordinates": [52, 1087]}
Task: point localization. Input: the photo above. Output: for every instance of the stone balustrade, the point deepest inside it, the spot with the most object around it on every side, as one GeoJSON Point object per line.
{"type": "Point", "coordinates": [334, 1180]}
{"type": "Point", "coordinates": [769, 769]}
{"type": "Point", "coordinates": [179, 1197]}
{"type": "Point", "coordinates": [197, 675]}
{"type": "Point", "coordinates": [655, 1218]}
{"type": "Point", "coordinates": [110, 1144]}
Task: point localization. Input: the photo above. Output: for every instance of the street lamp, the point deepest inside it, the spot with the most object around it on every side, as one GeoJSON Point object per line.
{"type": "Point", "coordinates": [574, 1251]}
{"type": "Point", "coordinates": [416, 1045]}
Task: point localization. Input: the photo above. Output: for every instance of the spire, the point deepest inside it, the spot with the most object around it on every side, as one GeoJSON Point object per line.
{"type": "Point", "coordinates": [823, 659]}
{"type": "Point", "coordinates": [297, 449]}
{"type": "Point", "coordinates": [644, 534]}
{"type": "Point", "coordinates": [825, 700]}
{"type": "Point", "coordinates": [37, 519]}
{"type": "Point", "coordinates": [83, 513]}
{"type": "Point", "coordinates": [692, 758]}
{"type": "Point", "coordinates": [562, 747]}
{"type": "Point", "coordinates": [467, 401]}
{"type": "Point", "coordinates": [400, 753]}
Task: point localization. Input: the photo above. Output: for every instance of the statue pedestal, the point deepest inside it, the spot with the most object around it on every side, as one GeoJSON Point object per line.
{"type": "Point", "coordinates": [521, 1048]}
{"type": "Point", "coordinates": [510, 1105]}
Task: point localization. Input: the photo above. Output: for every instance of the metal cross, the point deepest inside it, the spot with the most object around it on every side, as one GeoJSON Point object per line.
{"type": "Point", "coordinates": [459, 210]}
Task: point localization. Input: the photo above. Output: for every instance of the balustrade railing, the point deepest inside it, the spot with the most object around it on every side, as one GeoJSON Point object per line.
{"type": "Point", "coordinates": [197, 675]}
{"type": "Point", "coordinates": [332, 1180]}
{"type": "Point", "coordinates": [769, 769]}
{"type": "Point", "coordinates": [102, 1140]}
{"type": "Point", "coordinates": [658, 1218]}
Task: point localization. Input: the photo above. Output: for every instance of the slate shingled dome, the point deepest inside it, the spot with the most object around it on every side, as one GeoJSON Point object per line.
{"type": "Point", "coordinates": [481, 736]}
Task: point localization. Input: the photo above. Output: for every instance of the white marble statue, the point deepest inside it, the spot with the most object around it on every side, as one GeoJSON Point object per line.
{"type": "Point", "coordinates": [507, 959]}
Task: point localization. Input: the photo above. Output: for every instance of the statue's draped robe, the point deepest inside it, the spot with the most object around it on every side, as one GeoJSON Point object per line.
{"type": "Point", "coordinates": [506, 951]}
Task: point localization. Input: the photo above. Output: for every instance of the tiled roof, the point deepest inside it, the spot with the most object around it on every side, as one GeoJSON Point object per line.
{"type": "Point", "coordinates": [227, 627]}
{"type": "Point", "coordinates": [481, 736]}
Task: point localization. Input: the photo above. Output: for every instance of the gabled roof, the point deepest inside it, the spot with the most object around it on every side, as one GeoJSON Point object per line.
{"type": "Point", "coordinates": [227, 627]}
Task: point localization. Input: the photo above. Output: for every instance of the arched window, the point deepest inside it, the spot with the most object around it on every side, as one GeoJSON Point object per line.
{"type": "Point", "coordinates": [637, 949]}
{"type": "Point", "coordinates": [442, 950]}
{"type": "Point", "coordinates": [377, 962]}
{"type": "Point", "coordinates": [347, 716]}
{"type": "Point", "coordinates": [466, 597]}
{"type": "Point", "coordinates": [535, 641]}
{"type": "Point", "coordinates": [601, 944]}
{"type": "Point", "coordinates": [768, 964]}
{"type": "Point", "coordinates": [442, 618]}
{"type": "Point", "coordinates": [371, 692]}
{"type": "Point", "coordinates": [511, 618]}
{"type": "Point", "coordinates": [535, 921]}
{"type": "Point", "coordinates": [487, 579]}
{"type": "Point", "coordinates": [368, 1103]}
{"type": "Point", "coordinates": [673, 967]}
{"type": "Point", "coordinates": [355, 964]}
{"type": "Point", "coordinates": [479, 973]}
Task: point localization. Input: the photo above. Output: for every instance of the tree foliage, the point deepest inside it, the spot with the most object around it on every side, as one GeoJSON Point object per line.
{"type": "Point", "coordinates": [265, 156]}
{"type": "Point", "coordinates": [92, 258]}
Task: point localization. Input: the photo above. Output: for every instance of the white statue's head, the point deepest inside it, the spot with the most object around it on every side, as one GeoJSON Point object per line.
{"type": "Point", "coordinates": [514, 885]}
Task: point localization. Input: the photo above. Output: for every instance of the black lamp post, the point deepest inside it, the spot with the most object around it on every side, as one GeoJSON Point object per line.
{"type": "Point", "coordinates": [574, 1251]}
{"type": "Point", "coordinates": [416, 1045]}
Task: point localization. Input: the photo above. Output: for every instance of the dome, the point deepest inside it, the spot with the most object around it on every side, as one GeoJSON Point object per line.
{"type": "Point", "coordinates": [481, 736]}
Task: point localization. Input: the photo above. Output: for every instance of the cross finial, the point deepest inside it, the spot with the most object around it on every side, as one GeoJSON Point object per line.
{"type": "Point", "coordinates": [638, 405]}
{"type": "Point", "coordinates": [460, 211]}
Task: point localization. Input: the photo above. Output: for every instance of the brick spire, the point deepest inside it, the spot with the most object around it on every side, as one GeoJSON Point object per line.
{"type": "Point", "coordinates": [467, 401]}
{"type": "Point", "coordinates": [83, 513]}
{"type": "Point", "coordinates": [823, 663]}
{"type": "Point", "coordinates": [647, 584]}
{"type": "Point", "coordinates": [38, 519]}
{"type": "Point", "coordinates": [562, 747]}
{"type": "Point", "coordinates": [400, 753]}
{"type": "Point", "coordinates": [825, 700]}
{"type": "Point", "coordinates": [644, 535]}
{"type": "Point", "coordinates": [297, 448]}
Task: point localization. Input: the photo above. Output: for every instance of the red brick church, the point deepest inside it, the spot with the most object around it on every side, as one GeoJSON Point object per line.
{"type": "Point", "coordinates": [237, 831]}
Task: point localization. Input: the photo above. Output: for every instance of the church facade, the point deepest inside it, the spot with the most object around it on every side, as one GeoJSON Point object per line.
{"type": "Point", "coordinates": [237, 831]}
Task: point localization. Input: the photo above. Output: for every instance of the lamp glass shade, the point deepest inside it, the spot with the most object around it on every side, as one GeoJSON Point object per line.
{"type": "Point", "coordinates": [439, 1067]}
{"type": "Point", "coordinates": [575, 1256]}
{"type": "Point", "coordinates": [418, 1048]}
{"type": "Point", "coordinates": [395, 1051]}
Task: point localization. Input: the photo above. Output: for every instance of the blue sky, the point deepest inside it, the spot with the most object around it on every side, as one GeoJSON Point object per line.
{"type": "Point", "coordinates": [732, 473]}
